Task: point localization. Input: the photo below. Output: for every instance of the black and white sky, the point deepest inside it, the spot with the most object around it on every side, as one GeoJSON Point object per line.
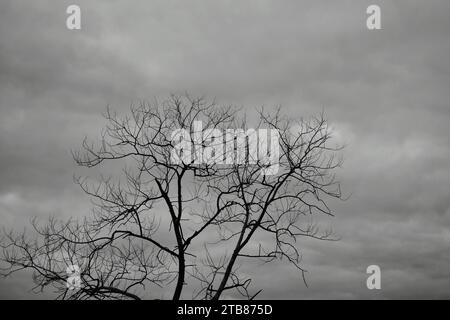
{"type": "Point", "coordinates": [385, 92]}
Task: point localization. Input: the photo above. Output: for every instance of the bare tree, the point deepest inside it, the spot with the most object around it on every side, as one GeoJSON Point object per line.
{"type": "Point", "coordinates": [173, 218]}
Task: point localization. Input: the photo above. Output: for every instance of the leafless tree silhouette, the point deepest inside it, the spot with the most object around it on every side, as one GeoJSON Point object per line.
{"type": "Point", "coordinates": [163, 223]}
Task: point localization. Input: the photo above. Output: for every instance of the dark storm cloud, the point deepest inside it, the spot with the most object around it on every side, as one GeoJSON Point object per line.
{"type": "Point", "coordinates": [385, 93]}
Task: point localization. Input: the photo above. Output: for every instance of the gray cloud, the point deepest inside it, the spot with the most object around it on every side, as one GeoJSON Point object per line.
{"type": "Point", "coordinates": [385, 92]}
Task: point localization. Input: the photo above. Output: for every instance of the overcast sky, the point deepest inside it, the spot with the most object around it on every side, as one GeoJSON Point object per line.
{"type": "Point", "coordinates": [385, 92]}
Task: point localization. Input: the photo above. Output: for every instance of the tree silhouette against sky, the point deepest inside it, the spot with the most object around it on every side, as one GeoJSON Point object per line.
{"type": "Point", "coordinates": [161, 223]}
